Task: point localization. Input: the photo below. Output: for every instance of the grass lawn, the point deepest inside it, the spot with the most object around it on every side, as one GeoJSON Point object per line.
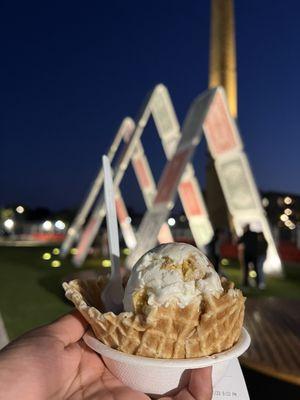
{"type": "Point", "coordinates": [30, 289]}
{"type": "Point", "coordinates": [287, 286]}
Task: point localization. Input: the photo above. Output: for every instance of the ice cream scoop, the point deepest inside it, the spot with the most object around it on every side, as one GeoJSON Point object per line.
{"type": "Point", "coordinates": [173, 272]}
{"type": "Point", "coordinates": [175, 307]}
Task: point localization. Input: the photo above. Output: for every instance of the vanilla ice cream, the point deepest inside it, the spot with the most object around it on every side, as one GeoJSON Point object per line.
{"type": "Point", "coordinates": [174, 272]}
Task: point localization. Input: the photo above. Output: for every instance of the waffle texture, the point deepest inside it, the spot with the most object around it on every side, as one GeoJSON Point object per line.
{"type": "Point", "coordinates": [199, 329]}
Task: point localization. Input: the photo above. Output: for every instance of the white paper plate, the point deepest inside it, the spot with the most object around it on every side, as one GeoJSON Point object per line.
{"type": "Point", "coordinates": [159, 376]}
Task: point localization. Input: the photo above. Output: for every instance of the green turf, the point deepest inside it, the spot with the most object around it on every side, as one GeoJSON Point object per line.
{"type": "Point", "coordinates": [287, 286]}
{"type": "Point", "coordinates": [30, 289]}
{"type": "Point", "coordinates": [31, 293]}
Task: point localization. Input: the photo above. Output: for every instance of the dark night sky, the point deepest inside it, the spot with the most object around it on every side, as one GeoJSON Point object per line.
{"type": "Point", "coordinates": [72, 70]}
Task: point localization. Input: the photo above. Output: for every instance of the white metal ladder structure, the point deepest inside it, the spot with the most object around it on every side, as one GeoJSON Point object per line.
{"type": "Point", "coordinates": [160, 106]}
{"type": "Point", "coordinates": [209, 114]}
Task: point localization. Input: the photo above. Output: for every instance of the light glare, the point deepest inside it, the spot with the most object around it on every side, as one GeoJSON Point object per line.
{"type": "Point", "coordinates": [252, 274]}
{"type": "Point", "coordinates": [265, 202]}
{"type": "Point", "coordinates": [46, 256]}
{"type": "Point", "coordinates": [287, 200]}
{"type": "Point", "coordinates": [126, 251]}
{"type": "Point", "coordinates": [284, 217]}
{"type": "Point", "coordinates": [55, 264]}
{"type": "Point", "coordinates": [9, 223]}
{"type": "Point", "coordinates": [47, 225]}
{"type": "Point", "coordinates": [60, 225]}
{"type": "Point", "coordinates": [20, 209]}
{"type": "Point", "coordinates": [106, 263]}
{"type": "Point", "coordinates": [171, 221]}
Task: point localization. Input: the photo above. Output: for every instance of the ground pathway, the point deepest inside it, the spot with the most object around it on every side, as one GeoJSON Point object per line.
{"type": "Point", "coordinates": [274, 327]}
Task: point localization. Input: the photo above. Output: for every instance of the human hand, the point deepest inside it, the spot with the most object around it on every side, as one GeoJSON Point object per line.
{"type": "Point", "coordinates": [53, 363]}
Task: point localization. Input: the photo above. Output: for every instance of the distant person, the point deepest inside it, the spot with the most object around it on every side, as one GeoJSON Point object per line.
{"type": "Point", "coordinates": [248, 250]}
{"type": "Point", "coordinates": [262, 247]}
{"type": "Point", "coordinates": [214, 249]}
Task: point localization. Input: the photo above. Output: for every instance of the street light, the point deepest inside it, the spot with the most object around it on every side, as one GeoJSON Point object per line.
{"type": "Point", "coordinates": [60, 225]}
{"type": "Point", "coordinates": [9, 224]}
{"type": "Point", "coordinates": [47, 225]}
{"type": "Point", "coordinates": [284, 217]}
{"type": "Point", "coordinates": [20, 209]}
{"type": "Point", "coordinates": [287, 200]}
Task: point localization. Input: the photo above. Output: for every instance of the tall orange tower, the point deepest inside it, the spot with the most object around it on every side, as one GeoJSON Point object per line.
{"type": "Point", "coordinates": [222, 72]}
{"type": "Point", "coordinates": [222, 63]}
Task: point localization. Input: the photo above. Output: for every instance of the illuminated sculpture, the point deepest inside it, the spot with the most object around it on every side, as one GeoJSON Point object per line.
{"type": "Point", "coordinates": [159, 105]}
{"type": "Point", "coordinates": [208, 114]}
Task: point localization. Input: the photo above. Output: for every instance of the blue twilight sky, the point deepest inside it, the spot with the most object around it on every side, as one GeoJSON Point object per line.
{"type": "Point", "coordinates": [72, 70]}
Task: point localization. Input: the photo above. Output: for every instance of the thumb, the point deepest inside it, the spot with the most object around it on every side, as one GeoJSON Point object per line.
{"type": "Point", "coordinates": [200, 385]}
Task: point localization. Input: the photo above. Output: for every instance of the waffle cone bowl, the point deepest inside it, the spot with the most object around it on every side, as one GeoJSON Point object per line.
{"type": "Point", "coordinates": [197, 330]}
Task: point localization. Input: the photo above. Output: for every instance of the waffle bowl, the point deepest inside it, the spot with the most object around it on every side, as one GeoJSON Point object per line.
{"type": "Point", "coordinates": [164, 332]}
{"type": "Point", "coordinates": [153, 351]}
{"type": "Point", "coordinates": [165, 342]}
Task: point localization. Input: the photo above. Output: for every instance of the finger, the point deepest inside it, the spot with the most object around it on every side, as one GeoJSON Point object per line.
{"type": "Point", "coordinates": [68, 329]}
{"type": "Point", "coordinates": [184, 394]}
{"type": "Point", "coordinates": [200, 385]}
{"type": "Point", "coordinates": [119, 390]}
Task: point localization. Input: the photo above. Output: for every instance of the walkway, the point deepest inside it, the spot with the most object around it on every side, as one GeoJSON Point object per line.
{"type": "Point", "coordinates": [274, 327]}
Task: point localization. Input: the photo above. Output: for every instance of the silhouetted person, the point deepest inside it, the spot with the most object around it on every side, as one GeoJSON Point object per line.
{"type": "Point", "coordinates": [214, 249]}
{"type": "Point", "coordinates": [249, 242]}
{"type": "Point", "coordinates": [262, 247]}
